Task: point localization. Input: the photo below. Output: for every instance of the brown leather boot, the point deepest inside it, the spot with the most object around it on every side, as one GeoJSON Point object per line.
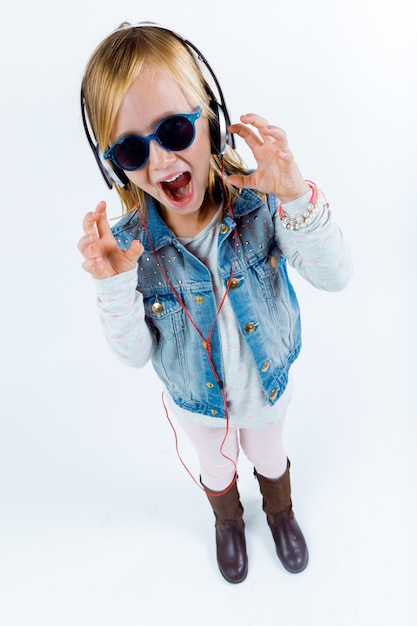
{"type": "Point", "coordinates": [290, 544]}
{"type": "Point", "coordinates": [230, 534]}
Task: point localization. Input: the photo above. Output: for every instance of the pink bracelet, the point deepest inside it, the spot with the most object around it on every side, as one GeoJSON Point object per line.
{"type": "Point", "coordinates": [296, 223]}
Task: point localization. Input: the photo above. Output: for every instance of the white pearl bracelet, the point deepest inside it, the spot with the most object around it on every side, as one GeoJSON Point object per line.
{"type": "Point", "coordinates": [295, 223]}
{"type": "Point", "coordinates": [301, 221]}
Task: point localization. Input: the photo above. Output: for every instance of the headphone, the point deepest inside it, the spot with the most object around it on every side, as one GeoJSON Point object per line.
{"type": "Point", "coordinates": [220, 137]}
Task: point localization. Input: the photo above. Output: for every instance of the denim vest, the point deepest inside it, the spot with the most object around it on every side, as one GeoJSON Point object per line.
{"type": "Point", "coordinates": [260, 293]}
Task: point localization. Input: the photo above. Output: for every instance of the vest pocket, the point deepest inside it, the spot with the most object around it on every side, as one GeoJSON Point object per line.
{"type": "Point", "coordinates": [166, 319]}
{"type": "Point", "coordinates": [278, 295]}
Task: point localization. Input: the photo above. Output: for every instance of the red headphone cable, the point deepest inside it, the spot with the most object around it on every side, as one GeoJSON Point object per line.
{"type": "Point", "coordinates": [205, 341]}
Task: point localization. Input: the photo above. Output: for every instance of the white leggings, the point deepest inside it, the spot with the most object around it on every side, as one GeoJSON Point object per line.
{"type": "Point", "coordinates": [263, 447]}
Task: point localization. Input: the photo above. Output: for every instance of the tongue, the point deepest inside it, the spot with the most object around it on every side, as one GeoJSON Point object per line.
{"type": "Point", "coordinates": [178, 188]}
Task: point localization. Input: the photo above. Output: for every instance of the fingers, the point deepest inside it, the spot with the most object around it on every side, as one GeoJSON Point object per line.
{"type": "Point", "coordinates": [266, 132]}
{"type": "Point", "coordinates": [96, 221]}
{"type": "Point", "coordinates": [90, 219]}
{"type": "Point", "coordinates": [277, 171]}
{"type": "Point", "coordinates": [252, 139]}
{"type": "Point", "coordinates": [95, 227]}
{"type": "Point", "coordinates": [134, 252]}
{"type": "Point", "coordinates": [89, 246]}
{"type": "Point", "coordinates": [95, 267]}
{"type": "Point", "coordinates": [241, 182]}
{"type": "Point", "coordinates": [102, 224]}
{"type": "Point", "coordinates": [102, 256]}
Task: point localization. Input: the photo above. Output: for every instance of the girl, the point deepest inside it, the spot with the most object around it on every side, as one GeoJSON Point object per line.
{"type": "Point", "coordinates": [194, 276]}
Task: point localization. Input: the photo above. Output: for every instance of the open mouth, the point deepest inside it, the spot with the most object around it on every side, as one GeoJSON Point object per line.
{"type": "Point", "coordinates": [178, 188]}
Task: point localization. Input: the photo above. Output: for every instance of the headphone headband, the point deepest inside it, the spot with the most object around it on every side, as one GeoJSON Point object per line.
{"type": "Point", "coordinates": [218, 128]}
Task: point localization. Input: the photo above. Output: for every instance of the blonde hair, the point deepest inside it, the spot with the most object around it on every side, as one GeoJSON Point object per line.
{"type": "Point", "coordinates": [114, 66]}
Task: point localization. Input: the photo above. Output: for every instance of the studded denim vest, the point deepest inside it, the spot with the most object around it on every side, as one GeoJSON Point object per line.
{"type": "Point", "coordinates": [260, 293]}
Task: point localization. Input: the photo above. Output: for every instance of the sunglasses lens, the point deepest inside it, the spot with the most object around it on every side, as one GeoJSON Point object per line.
{"type": "Point", "coordinates": [176, 133]}
{"type": "Point", "coordinates": [131, 153]}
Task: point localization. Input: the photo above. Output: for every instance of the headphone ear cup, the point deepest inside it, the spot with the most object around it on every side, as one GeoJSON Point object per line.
{"type": "Point", "coordinates": [118, 176]}
{"type": "Point", "coordinates": [111, 174]}
{"type": "Point", "coordinates": [218, 129]}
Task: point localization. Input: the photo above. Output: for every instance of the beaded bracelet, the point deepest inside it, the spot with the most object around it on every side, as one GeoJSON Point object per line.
{"type": "Point", "coordinates": [296, 223]}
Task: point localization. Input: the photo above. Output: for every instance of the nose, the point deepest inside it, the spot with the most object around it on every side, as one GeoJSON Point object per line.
{"type": "Point", "coordinates": [159, 157]}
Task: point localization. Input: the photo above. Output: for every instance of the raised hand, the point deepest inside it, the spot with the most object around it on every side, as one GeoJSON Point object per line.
{"type": "Point", "coordinates": [103, 257]}
{"type": "Point", "coordinates": [277, 171]}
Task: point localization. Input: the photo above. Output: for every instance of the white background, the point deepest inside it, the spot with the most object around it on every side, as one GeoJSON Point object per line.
{"type": "Point", "coordinates": [99, 523]}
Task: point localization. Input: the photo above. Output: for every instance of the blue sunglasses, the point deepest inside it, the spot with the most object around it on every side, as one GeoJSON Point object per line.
{"type": "Point", "coordinates": [176, 132]}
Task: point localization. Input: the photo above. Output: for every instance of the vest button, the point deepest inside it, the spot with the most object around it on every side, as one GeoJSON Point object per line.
{"type": "Point", "coordinates": [273, 394]}
{"type": "Point", "coordinates": [198, 299]}
{"type": "Point", "coordinates": [233, 283]}
{"type": "Point", "coordinates": [265, 367]}
{"type": "Point", "coordinates": [273, 261]}
{"type": "Point", "coordinates": [210, 385]}
{"type": "Point", "coordinates": [250, 327]}
{"type": "Point", "coordinates": [157, 307]}
{"type": "Point", "coordinates": [213, 411]}
{"type": "Point", "coordinates": [224, 229]}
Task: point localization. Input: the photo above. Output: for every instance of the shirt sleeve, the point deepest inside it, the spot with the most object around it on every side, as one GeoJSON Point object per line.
{"type": "Point", "coordinates": [122, 315]}
{"type": "Point", "coordinates": [319, 251]}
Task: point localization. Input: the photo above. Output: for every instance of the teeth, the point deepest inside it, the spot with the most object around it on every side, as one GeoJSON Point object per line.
{"type": "Point", "coordinates": [171, 180]}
